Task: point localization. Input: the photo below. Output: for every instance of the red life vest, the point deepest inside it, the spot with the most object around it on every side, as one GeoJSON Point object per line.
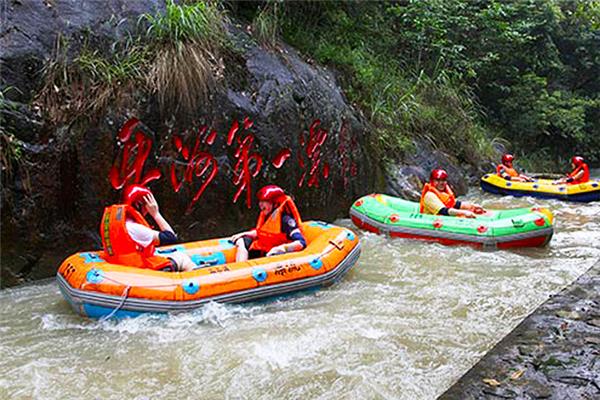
{"type": "Point", "coordinates": [268, 227]}
{"type": "Point", "coordinates": [447, 196]}
{"type": "Point", "coordinates": [503, 169]}
{"type": "Point", "coordinates": [586, 174]}
{"type": "Point", "coordinates": [119, 247]}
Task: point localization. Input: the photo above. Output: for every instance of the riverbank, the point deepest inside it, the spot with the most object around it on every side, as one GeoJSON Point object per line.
{"type": "Point", "coordinates": [553, 354]}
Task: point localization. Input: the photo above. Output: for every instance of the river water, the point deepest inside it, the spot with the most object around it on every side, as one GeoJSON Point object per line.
{"type": "Point", "coordinates": [407, 321]}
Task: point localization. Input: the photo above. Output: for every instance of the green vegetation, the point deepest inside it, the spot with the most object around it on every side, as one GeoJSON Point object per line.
{"type": "Point", "coordinates": [403, 103]}
{"type": "Point", "coordinates": [187, 42]}
{"type": "Point", "coordinates": [267, 24]}
{"type": "Point", "coordinates": [86, 85]}
{"type": "Point", "coordinates": [462, 74]}
{"type": "Point", "coordinates": [200, 22]}
{"type": "Point", "coordinates": [178, 58]}
{"type": "Point", "coordinates": [534, 65]}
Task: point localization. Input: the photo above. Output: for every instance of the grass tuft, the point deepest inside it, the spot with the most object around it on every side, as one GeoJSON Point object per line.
{"type": "Point", "coordinates": [266, 25]}
{"type": "Point", "coordinates": [88, 84]}
{"type": "Point", "coordinates": [188, 41]}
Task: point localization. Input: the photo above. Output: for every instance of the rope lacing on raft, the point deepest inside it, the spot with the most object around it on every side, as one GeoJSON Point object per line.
{"type": "Point", "coordinates": [113, 312]}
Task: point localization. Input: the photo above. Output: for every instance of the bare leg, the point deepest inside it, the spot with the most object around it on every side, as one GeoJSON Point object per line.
{"type": "Point", "coordinates": [188, 264]}
{"type": "Point", "coordinates": [242, 251]}
{"type": "Point", "coordinates": [183, 261]}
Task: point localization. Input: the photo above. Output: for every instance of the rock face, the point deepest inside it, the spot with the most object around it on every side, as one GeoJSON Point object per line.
{"type": "Point", "coordinates": [294, 128]}
{"type": "Point", "coordinates": [406, 179]}
{"type": "Point", "coordinates": [553, 354]}
{"type": "Point", "coordinates": [54, 194]}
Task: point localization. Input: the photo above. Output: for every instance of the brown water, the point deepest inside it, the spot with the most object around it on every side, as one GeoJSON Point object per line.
{"type": "Point", "coordinates": [405, 323]}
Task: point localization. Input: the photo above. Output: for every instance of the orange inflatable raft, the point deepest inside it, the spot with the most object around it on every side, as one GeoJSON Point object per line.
{"type": "Point", "coordinates": [98, 289]}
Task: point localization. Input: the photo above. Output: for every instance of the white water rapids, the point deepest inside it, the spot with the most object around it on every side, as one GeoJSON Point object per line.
{"type": "Point", "coordinates": [407, 321]}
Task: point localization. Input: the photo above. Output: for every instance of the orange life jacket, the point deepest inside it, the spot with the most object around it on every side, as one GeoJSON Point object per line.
{"type": "Point", "coordinates": [447, 196]}
{"type": "Point", "coordinates": [119, 247]}
{"type": "Point", "coordinates": [584, 178]}
{"type": "Point", "coordinates": [503, 169]}
{"type": "Point", "coordinates": [268, 227]}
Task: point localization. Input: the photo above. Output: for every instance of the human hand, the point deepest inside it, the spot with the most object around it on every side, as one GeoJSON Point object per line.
{"type": "Point", "coordinates": [276, 250]}
{"type": "Point", "coordinates": [151, 205]}
{"type": "Point", "coordinates": [468, 214]}
{"type": "Point", "coordinates": [237, 237]}
{"type": "Point", "coordinates": [477, 209]}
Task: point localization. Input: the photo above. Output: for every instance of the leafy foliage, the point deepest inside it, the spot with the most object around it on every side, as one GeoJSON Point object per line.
{"type": "Point", "coordinates": [534, 65]}
{"type": "Point", "coordinates": [404, 103]}
{"type": "Point", "coordinates": [452, 70]}
{"type": "Point", "coordinates": [200, 21]}
{"type": "Point", "coordinates": [267, 24]}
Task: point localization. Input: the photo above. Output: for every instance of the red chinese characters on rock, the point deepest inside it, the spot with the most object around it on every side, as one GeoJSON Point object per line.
{"type": "Point", "coordinates": [281, 158]}
{"type": "Point", "coordinates": [135, 143]}
{"type": "Point", "coordinates": [309, 155]}
{"type": "Point", "coordinates": [248, 164]}
{"type": "Point", "coordinates": [196, 165]}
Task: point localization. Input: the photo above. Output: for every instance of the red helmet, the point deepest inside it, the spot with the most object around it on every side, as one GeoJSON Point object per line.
{"type": "Point", "coordinates": [507, 158]}
{"type": "Point", "coordinates": [270, 193]}
{"type": "Point", "coordinates": [134, 193]}
{"type": "Point", "coordinates": [438, 174]}
{"type": "Point", "coordinates": [577, 161]}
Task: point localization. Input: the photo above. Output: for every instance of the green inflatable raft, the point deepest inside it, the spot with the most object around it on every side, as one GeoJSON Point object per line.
{"type": "Point", "coordinates": [496, 229]}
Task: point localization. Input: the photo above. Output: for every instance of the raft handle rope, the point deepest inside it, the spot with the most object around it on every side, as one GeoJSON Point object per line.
{"type": "Point", "coordinates": [123, 298]}
{"type": "Point", "coordinates": [337, 246]}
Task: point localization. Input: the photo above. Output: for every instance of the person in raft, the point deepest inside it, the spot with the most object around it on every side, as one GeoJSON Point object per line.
{"type": "Point", "coordinates": [437, 198]}
{"type": "Point", "coordinates": [128, 239]}
{"type": "Point", "coordinates": [508, 172]}
{"type": "Point", "coordinates": [580, 173]}
{"type": "Point", "coordinates": [277, 230]}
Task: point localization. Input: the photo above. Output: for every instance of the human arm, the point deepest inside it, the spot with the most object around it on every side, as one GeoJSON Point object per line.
{"type": "Point", "coordinates": [575, 177]}
{"type": "Point", "coordinates": [152, 208]}
{"type": "Point", "coordinates": [503, 173]}
{"type": "Point", "coordinates": [475, 208]}
{"type": "Point", "coordinates": [456, 212]}
{"type": "Point", "coordinates": [294, 235]}
{"type": "Point", "coordinates": [249, 234]}
{"type": "Point", "coordinates": [166, 235]}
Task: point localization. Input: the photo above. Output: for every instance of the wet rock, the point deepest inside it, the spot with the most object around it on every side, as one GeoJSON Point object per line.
{"type": "Point", "coordinates": [592, 339]}
{"type": "Point", "coordinates": [561, 361]}
{"type": "Point", "coordinates": [538, 390]}
{"type": "Point", "coordinates": [500, 393]}
{"type": "Point", "coordinates": [568, 314]}
{"type": "Point", "coordinates": [594, 322]}
{"type": "Point", "coordinates": [529, 350]}
{"type": "Point", "coordinates": [570, 379]}
{"type": "Point", "coordinates": [52, 206]}
{"type": "Point", "coordinates": [406, 179]}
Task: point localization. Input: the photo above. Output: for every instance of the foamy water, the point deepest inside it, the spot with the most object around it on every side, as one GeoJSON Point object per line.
{"type": "Point", "coordinates": [405, 323]}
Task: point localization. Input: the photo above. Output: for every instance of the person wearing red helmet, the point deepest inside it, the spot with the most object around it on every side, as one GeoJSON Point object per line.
{"type": "Point", "coordinates": [277, 230]}
{"type": "Point", "coordinates": [579, 174]}
{"type": "Point", "coordinates": [438, 198]}
{"type": "Point", "coordinates": [508, 172]}
{"type": "Point", "coordinates": [128, 239]}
